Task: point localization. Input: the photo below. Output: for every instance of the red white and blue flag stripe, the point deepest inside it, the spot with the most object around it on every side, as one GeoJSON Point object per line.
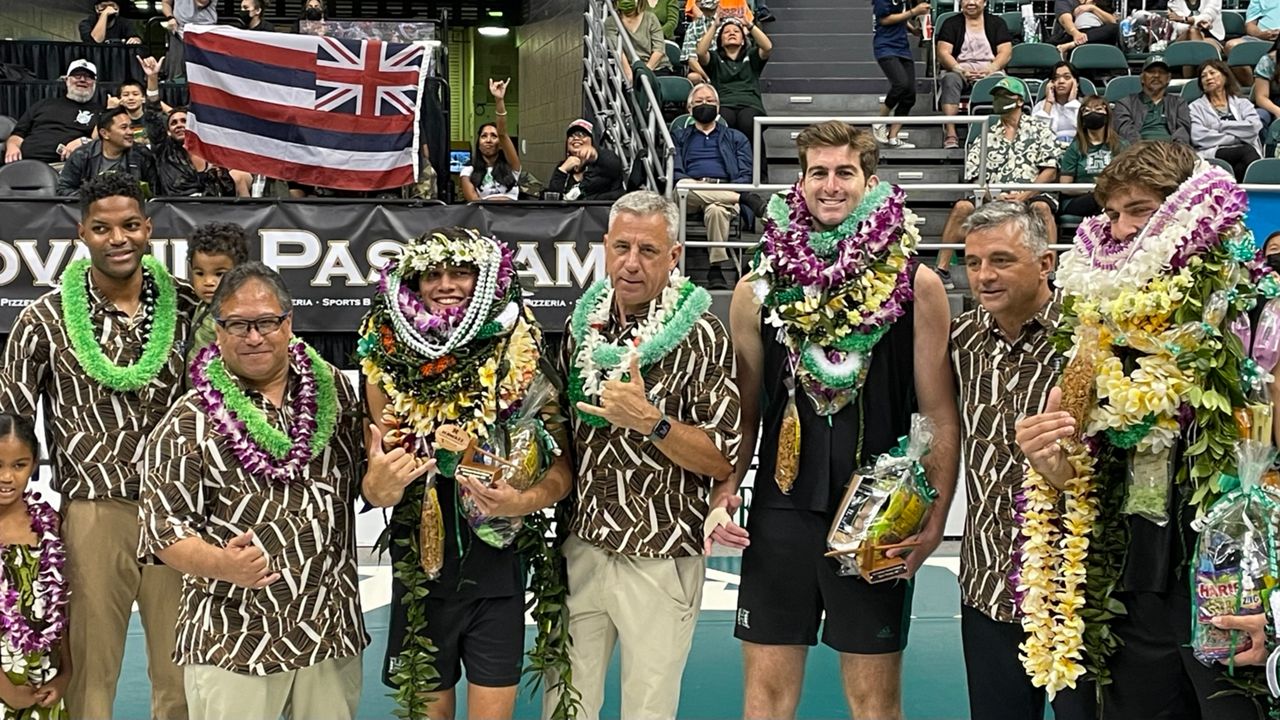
{"type": "Point", "coordinates": [316, 110]}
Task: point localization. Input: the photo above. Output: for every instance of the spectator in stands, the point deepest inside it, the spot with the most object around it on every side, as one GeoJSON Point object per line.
{"type": "Point", "coordinates": [970, 46]}
{"type": "Point", "coordinates": [1261, 23]}
{"type": "Point", "coordinates": [106, 25]}
{"type": "Point", "coordinates": [113, 151]}
{"type": "Point", "coordinates": [313, 10]}
{"type": "Point", "coordinates": [251, 15]}
{"type": "Point", "coordinates": [1266, 89]}
{"type": "Point", "coordinates": [1060, 104]}
{"type": "Point", "coordinates": [133, 99]}
{"type": "Point", "coordinates": [1084, 21]}
{"type": "Point", "coordinates": [892, 49]}
{"type": "Point", "coordinates": [494, 172]}
{"type": "Point", "coordinates": [588, 172]}
{"type": "Point", "coordinates": [1020, 149]}
{"type": "Point", "coordinates": [52, 129]}
{"type": "Point", "coordinates": [1089, 153]}
{"type": "Point", "coordinates": [707, 150]}
{"type": "Point", "coordinates": [702, 15]}
{"type": "Point", "coordinates": [668, 13]}
{"type": "Point", "coordinates": [734, 69]}
{"type": "Point", "coordinates": [1198, 20]}
{"type": "Point", "coordinates": [1223, 124]}
{"type": "Point", "coordinates": [183, 174]}
{"type": "Point", "coordinates": [1153, 113]}
{"type": "Point", "coordinates": [182, 13]}
{"type": "Point", "coordinates": [644, 29]}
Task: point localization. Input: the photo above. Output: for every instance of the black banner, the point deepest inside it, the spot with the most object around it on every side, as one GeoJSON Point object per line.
{"type": "Point", "coordinates": [328, 253]}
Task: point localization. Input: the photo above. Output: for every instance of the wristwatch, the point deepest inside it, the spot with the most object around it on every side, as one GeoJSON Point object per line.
{"type": "Point", "coordinates": [660, 429]}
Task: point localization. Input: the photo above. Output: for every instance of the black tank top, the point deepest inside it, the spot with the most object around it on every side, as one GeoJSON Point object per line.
{"type": "Point", "coordinates": [829, 445]}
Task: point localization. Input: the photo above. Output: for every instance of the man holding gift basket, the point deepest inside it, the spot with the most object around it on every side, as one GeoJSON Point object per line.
{"type": "Point", "coordinates": [1130, 457]}
{"type": "Point", "coordinates": [840, 339]}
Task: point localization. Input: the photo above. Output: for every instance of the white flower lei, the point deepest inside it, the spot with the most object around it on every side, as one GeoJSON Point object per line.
{"type": "Point", "coordinates": [593, 376]}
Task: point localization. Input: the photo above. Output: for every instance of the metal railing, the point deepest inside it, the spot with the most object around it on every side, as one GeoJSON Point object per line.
{"type": "Point", "coordinates": [637, 134]}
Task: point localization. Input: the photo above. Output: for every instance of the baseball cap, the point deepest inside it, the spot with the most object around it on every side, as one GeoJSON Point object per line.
{"type": "Point", "coordinates": [579, 125]}
{"type": "Point", "coordinates": [1153, 61]}
{"type": "Point", "coordinates": [82, 65]}
{"type": "Point", "coordinates": [1013, 86]}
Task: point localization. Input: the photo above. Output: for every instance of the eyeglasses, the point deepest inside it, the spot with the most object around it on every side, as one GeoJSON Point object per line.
{"type": "Point", "coordinates": [263, 325]}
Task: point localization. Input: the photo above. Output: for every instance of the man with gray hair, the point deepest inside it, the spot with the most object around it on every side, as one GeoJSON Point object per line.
{"type": "Point", "coordinates": [654, 415]}
{"type": "Point", "coordinates": [1005, 365]}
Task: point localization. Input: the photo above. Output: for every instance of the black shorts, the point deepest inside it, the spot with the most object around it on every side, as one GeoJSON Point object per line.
{"type": "Point", "coordinates": [787, 585]}
{"type": "Point", "coordinates": [484, 634]}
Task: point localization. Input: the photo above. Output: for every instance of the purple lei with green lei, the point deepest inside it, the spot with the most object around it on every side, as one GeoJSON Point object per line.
{"type": "Point", "coordinates": [49, 588]}
{"type": "Point", "coordinates": [314, 410]}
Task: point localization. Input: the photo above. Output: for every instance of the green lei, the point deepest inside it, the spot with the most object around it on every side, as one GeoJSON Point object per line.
{"type": "Point", "coordinates": [691, 303]}
{"type": "Point", "coordinates": [155, 353]}
{"type": "Point", "coordinates": [268, 437]}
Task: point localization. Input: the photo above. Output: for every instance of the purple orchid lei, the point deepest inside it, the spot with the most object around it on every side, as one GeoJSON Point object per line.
{"type": "Point", "coordinates": [252, 457]}
{"type": "Point", "coordinates": [49, 588]}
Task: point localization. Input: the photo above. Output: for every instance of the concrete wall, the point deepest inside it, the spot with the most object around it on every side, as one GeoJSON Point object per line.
{"type": "Point", "coordinates": [549, 45]}
{"type": "Point", "coordinates": [46, 19]}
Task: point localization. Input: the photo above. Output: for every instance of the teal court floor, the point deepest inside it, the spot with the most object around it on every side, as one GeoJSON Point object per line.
{"type": "Point", "coordinates": [933, 685]}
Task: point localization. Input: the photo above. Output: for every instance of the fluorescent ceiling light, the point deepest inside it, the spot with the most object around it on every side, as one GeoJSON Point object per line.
{"type": "Point", "coordinates": [494, 31]}
{"type": "Point", "coordinates": [492, 13]}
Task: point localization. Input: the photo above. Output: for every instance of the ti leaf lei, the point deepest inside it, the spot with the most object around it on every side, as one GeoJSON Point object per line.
{"type": "Point", "coordinates": [680, 306]}
{"type": "Point", "coordinates": [84, 345]}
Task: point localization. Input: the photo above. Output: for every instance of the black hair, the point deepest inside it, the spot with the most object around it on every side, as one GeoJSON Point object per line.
{"type": "Point", "coordinates": [178, 109]}
{"type": "Point", "coordinates": [107, 117]}
{"type": "Point", "coordinates": [132, 83]}
{"type": "Point", "coordinates": [1064, 64]}
{"type": "Point", "coordinates": [219, 238]}
{"type": "Point", "coordinates": [23, 428]}
{"type": "Point", "coordinates": [257, 4]}
{"type": "Point", "coordinates": [242, 274]}
{"type": "Point", "coordinates": [113, 184]}
{"type": "Point", "coordinates": [502, 172]}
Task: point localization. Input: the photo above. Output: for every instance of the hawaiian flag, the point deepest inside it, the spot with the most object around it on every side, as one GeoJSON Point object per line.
{"type": "Point", "coordinates": [321, 111]}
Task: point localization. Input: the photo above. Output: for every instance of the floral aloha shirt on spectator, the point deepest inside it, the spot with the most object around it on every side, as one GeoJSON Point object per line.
{"type": "Point", "coordinates": [1018, 160]}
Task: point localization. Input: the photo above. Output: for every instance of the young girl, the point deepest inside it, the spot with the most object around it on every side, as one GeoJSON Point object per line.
{"type": "Point", "coordinates": [494, 172]}
{"type": "Point", "coordinates": [35, 664]}
{"type": "Point", "coordinates": [892, 49]}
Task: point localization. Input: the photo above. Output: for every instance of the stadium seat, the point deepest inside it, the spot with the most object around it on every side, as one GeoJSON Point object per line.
{"type": "Point", "coordinates": [1263, 172]}
{"type": "Point", "coordinates": [673, 54]}
{"type": "Point", "coordinates": [1086, 88]}
{"type": "Point", "coordinates": [674, 90]}
{"type": "Point", "coordinates": [1034, 58]}
{"type": "Point", "coordinates": [1191, 91]}
{"type": "Point", "coordinates": [1106, 58]}
{"type": "Point", "coordinates": [28, 178]}
{"type": "Point", "coordinates": [1013, 20]}
{"type": "Point", "coordinates": [1190, 52]}
{"type": "Point", "coordinates": [6, 127]}
{"type": "Point", "coordinates": [1122, 86]}
{"type": "Point", "coordinates": [1247, 54]}
{"type": "Point", "coordinates": [1233, 24]}
{"type": "Point", "coordinates": [1222, 164]}
{"type": "Point", "coordinates": [638, 70]}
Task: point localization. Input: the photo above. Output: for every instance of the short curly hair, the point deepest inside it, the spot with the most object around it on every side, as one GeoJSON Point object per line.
{"type": "Point", "coordinates": [112, 184]}
{"type": "Point", "coordinates": [219, 238]}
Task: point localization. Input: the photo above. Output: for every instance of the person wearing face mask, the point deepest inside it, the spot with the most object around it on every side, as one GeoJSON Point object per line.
{"type": "Point", "coordinates": [250, 14]}
{"type": "Point", "coordinates": [106, 25]}
{"type": "Point", "coordinates": [1020, 149]}
{"type": "Point", "coordinates": [1060, 103]}
{"type": "Point", "coordinates": [588, 172]}
{"type": "Point", "coordinates": [1088, 155]}
{"type": "Point", "coordinates": [851, 407]}
{"type": "Point", "coordinates": [1137, 553]}
{"type": "Point", "coordinates": [312, 10]}
{"type": "Point", "coordinates": [644, 30]}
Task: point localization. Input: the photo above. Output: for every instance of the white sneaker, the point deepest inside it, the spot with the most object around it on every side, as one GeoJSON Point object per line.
{"type": "Point", "coordinates": [881, 133]}
{"type": "Point", "coordinates": [899, 144]}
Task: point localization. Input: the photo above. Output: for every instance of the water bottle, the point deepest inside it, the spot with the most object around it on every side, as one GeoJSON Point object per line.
{"type": "Point", "coordinates": [1126, 33]}
{"type": "Point", "coordinates": [259, 184]}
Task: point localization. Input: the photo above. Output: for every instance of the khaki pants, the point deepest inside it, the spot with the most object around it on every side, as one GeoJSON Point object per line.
{"type": "Point", "coordinates": [328, 690]}
{"type": "Point", "coordinates": [718, 207]}
{"type": "Point", "coordinates": [105, 579]}
{"type": "Point", "coordinates": [650, 606]}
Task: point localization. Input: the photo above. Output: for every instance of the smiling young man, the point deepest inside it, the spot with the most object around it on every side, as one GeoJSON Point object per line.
{"type": "Point", "coordinates": [839, 239]}
{"type": "Point", "coordinates": [103, 354]}
{"type": "Point", "coordinates": [655, 423]}
{"type": "Point", "coordinates": [113, 151]}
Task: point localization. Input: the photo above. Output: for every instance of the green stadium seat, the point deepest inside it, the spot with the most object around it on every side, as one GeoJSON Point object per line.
{"type": "Point", "coordinates": [1107, 58]}
{"type": "Point", "coordinates": [1263, 172]}
{"type": "Point", "coordinates": [1191, 91]}
{"type": "Point", "coordinates": [1190, 52]}
{"type": "Point", "coordinates": [980, 96]}
{"type": "Point", "coordinates": [1034, 58]}
{"type": "Point", "coordinates": [1247, 54]}
{"type": "Point", "coordinates": [1013, 20]}
{"type": "Point", "coordinates": [1122, 86]}
{"type": "Point", "coordinates": [1233, 24]}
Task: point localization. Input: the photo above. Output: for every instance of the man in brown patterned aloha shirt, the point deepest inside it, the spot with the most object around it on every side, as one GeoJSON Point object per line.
{"type": "Point", "coordinates": [1005, 365]}
{"type": "Point", "coordinates": [643, 476]}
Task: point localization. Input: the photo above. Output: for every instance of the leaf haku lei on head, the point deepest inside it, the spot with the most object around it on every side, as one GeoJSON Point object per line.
{"type": "Point", "coordinates": [84, 344]}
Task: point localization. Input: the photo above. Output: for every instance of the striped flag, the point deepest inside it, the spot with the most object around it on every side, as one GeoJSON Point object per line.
{"type": "Point", "coordinates": [322, 111]}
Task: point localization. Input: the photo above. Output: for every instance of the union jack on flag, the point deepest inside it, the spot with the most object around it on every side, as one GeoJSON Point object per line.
{"type": "Point", "coordinates": [367, 77]}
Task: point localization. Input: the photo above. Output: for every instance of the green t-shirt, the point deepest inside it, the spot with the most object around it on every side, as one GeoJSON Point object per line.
{"type": "Point", "coordinates": [1153, 126]}
{"type": "Point", "coordinates": [206, 333]}
{"type": "Point", "coordinates": [737, 81]}
{"type": "Point", "coordinates": [1084, 167]}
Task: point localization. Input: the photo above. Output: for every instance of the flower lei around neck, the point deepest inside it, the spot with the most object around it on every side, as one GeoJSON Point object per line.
{"type": "Point", "coordinates": [1143, 323]}
{"type": "Point", "coordinates": [260, 447]}
{"type": "Point", "coordinates": [671, 318]}
{"type": "Point", "coordinates": [833, 294]}
{"type": "Point", "coordinates": [472, 368]}
{"type": "Point", "coordinates": [49, 588]}
{"type": "Point", "coordinates": [84, 344]}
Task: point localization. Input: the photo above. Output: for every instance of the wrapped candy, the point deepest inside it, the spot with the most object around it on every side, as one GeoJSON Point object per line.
{"type": "Point", "coordinates": [527, 445]}
{"type": "Point", "coordinates": [884, 505]}
{"type": "Point", "coordinates": [787, 463]}
{"type": "Point", "coordinates": [1234, 567]}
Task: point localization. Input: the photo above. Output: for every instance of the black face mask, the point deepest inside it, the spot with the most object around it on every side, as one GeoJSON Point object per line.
{"type": "Point", "coordinates": [1274, 261]}
{"type": "Point", "coordinates": [244, 18]}
{"type": "Point", "coordinates": [312, 14]}
{"type": "Point", "coordinates": [1095, 121]}
{"type": "Point", "coordinates": [705, 113]}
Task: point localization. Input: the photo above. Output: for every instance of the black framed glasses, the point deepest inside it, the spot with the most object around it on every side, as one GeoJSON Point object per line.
{"type": "Point", "coordinates": [263, 325]}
